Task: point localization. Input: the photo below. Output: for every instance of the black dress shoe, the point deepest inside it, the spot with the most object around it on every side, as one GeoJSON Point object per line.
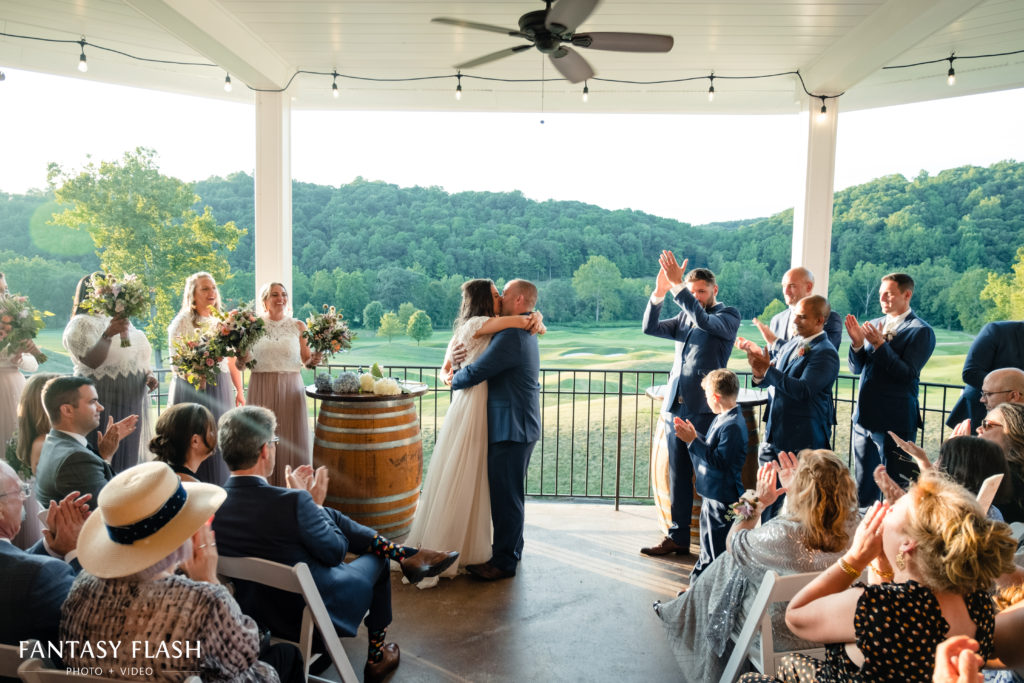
{"type": "Point", "coordinates": [376, 672]}
{"type": "Point", "coordinates": [426, 563]}
{"type": "Point", "coordinates": [488, 572]}
{"type": "Point", "coordinates": [666, 547]}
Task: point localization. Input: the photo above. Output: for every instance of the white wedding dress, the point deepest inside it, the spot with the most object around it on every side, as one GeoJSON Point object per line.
{"type": "Point", "coordinates": [454, 511]}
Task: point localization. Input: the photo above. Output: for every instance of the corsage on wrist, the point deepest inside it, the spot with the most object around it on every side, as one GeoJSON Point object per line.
{"type": "Point", "coordinates": [745, 508]}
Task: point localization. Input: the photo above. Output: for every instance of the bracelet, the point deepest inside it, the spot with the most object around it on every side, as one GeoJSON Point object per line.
{"type": "Point", "coordinates": [885, 576]}
{"type": "Point", "coordinates": [848, 569]}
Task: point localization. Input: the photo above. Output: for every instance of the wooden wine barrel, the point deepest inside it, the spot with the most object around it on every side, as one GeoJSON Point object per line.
{"type": "Point", "coordinates": [373, 451]}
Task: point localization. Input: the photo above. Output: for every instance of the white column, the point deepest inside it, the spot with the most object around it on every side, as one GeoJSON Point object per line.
{"type": "Point", "coordinates": [273, 188]}
{"type": "Point", "coordinates": [812, 213]}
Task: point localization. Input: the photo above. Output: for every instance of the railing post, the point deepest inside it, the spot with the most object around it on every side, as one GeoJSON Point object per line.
{"type": "Point", "coordinates": [618, 447]}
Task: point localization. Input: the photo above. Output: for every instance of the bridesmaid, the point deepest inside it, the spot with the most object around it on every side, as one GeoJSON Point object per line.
{"type": "Point", "coordinates": [198, 303]}
{"type": "Point", "coordinates": [122, 374]}
{"type": "Point", "coordinates": [275, 382]}
{"type": "Point", "coordinates": [12, 381]}
{"type": "Point", "coordinates": [186, 435]}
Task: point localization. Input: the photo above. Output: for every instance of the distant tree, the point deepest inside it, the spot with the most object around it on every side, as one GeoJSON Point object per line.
{"type": "Point", "coordinates": [350, 293]}
{"type": "Point", "coordinates": [598, 280]}
{"type": "Point", "coordinates": [144, 222]}
{"type": "Point", "coordinates": [405, 312]}
{"type": "Point", "coordinates": [305, 311]}
{"type": "Point", "coordinates": [389, 326]}
{"type": "Point", "coordinates": [322, 289]}
{"type": "Point", "coordinates": [1007, 291]}
{"type": "Point", "coordinates": [965, 297]}
{"type": "Point", "coordinates": [774, 306]}
{"type": "Point", "coordinates": [419, 327]}
{"type": "Point", "coordinates": [372, 314]}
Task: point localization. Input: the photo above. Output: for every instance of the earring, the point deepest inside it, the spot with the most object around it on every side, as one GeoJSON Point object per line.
{"type": "Point", "coordinates": [901, 560]}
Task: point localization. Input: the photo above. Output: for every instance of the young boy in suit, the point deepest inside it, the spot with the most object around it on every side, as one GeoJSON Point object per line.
{"type": "Point", "coordinates": [718, 460]}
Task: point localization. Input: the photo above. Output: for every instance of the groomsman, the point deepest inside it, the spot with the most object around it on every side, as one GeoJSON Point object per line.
{"type": "Point", "coordinates": [797, 283]}
{"type": "Point", "coordinates": [888, 353]}
{"type": "Point", "coordinates": [998, 345]}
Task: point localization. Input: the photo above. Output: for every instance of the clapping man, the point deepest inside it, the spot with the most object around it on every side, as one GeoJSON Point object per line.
{"type": "Point", "coordinates": [797, 283]}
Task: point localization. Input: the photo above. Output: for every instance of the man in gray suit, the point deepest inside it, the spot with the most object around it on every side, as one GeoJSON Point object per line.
{"type": "Point", "coordinates": [66, 462]}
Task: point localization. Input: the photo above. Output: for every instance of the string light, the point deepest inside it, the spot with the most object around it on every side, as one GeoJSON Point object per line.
{"type": "Point", "coordinates": [82, 65]}
{"type": "Point", "coordinates": [334, 85]}
{"type": "Point", "coordinates": [951, 75]}
{"type": "Point", "coordinates": [711, 88]}
{"type": "Point", "coordinates": [823, 113]}
{"type": "Point", "coordinates": [586, 92]}
{"type": "Point", "coordinates": [458, 88]}
{"type": "Point", "coordinates": [227, 82]}
{"type": "Point", "coordinates": [3, 76]}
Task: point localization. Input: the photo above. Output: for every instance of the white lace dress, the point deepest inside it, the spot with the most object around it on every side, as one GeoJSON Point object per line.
{"type": "Point", "coordinates": [454, 511]}
{"type": "Point", "coordinates": [276, 384]}
{"type": "Point", "coordinates": [120, 381]}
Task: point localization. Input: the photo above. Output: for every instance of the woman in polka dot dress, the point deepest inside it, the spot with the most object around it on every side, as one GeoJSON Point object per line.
{"type": "Point", "coordinates": [934, 556]}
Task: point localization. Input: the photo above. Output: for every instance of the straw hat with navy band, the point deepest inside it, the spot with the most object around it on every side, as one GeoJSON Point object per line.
{"type": "Point", "coordinates": [143, 515]}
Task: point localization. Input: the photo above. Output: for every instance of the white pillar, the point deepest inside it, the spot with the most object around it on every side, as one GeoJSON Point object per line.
{"type": "Point", "coordinates": [273, 178]}
{"type": "Point", "coordinates": [812, 212]}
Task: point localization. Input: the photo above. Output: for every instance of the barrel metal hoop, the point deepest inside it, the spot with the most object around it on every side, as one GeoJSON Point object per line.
{"type": "Point", "coordinates": [369, 430]}
{"type": "Point", "coordinates": [367, 416]}
{"type": "Point", "coordinates": [384, 513]}
{"type": "Point", "coordinates": [331, 406]}
{"type": "Point", "coordinates": [369, 501]}
{"type": "Point", "coordinates": [380, 446]}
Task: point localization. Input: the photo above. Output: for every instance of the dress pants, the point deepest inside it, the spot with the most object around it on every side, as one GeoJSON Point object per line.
{"type": "Point", "coordinates": [680, 478]}
{"type": "Point", "coordinates": [507, 462]}
{"type": "Point", "coordinates": [373, 571]}
{"type": "Point", "coordinates": [872, 449]}
{"type": "Point", "coordinates": [714, 528]}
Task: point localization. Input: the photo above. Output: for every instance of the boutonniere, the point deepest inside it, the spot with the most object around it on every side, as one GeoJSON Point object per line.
{"type": "Point", "coordinates": [804, 348]}
{"type": "Point", "coordinates": [889, 335]}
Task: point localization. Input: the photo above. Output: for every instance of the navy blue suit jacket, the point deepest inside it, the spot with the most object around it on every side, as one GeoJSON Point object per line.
{"type": "Point", "coordinates": [800, 415]}
{"type": "Point", "coordinates": [33, 589]}
{"type": "Point", "coordinates": [286, 526]}
{"type": "Point", "coordinates": [779, 326]}
{"type": "Point", "coordinates": [998, 345]}
{"type": "Point", "coordinates": [703, 340]}
{"type": "Point", "coordinates": [718, 457]}
{"type": "Point", "coordinates": [510, 365]}
{"type": "Point", "coordinates": [889, 377]}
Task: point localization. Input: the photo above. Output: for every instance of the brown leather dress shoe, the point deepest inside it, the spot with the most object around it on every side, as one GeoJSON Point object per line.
{"type": "Point", "coordinates": [488, 572]}
{"type": "Point", "coordinates": [666, 547]}
{"type": "Point", "coordinates": [376, 672]}
{"type": "Point", "coordinates": [426, 563]}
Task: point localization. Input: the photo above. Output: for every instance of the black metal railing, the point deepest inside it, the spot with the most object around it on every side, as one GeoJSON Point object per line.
{"type": "Point", "coordinates": [597, 426]}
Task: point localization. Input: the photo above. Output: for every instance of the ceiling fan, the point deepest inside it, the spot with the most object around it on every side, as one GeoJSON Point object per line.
{"type": "Point", "coordinates": [553, 29]}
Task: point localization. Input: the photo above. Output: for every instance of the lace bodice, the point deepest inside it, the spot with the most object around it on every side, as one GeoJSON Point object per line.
{"type": "Point", "coordinates": [182, 325]}
{"type": "Point", "coordinates": [82, 333]}
{"type": "Point", "coordinates": [464, 334]}
{"type": "Point", "coordinates": [278, 350]}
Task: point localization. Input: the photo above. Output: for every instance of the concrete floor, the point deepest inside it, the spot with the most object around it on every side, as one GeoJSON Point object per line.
{"type": "Point", "coordinates": [579, 608]}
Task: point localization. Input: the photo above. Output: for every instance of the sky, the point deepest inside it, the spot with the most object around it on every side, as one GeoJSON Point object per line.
{"type": "Point", "coordinates": [697, 169]}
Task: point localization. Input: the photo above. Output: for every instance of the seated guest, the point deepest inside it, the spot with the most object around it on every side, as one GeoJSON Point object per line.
{"type": "Point", "coordinates": [33, 426]}
{"type": "Point", "coordinates": [934, 558]}
{"type": "Point", "coordinates": [288, 525]}
{"type": "Point", "coordinates": [717, 462]}
{"type": "Point", "coordinates": [1009, 637]}
{"type": "Point", "coordinates": [1004, 425]}
{"type": "Point", "coordinates": [186, 434]}
{"type": "Point", "coordinates": [146, 525]}
{"type": "Point", "coordinates": [815, 528]}
{"type": "Point", "coordinates": [65, 462]}
{"type": "Point", "coordinates": [35, 582]}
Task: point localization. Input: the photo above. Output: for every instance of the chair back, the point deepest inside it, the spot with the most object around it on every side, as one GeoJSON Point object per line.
{"type": "Point", "coordinates": [298, 580]}
{"type": "Point", "coordinates": [10, 658]}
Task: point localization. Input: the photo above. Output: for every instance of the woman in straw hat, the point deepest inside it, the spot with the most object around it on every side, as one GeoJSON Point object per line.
{"type": "Point", "coordinates": [157, 624]}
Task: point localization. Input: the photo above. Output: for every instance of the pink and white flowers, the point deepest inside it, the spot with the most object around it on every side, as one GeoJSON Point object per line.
{"type": "Point", "coordinates": [126, 297]}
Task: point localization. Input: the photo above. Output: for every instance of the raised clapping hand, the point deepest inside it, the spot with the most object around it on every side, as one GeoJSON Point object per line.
{"type": "Point", "coordinates": [867, 541]}
{"type": "Point", "coordinates": [766, 332]}
{"type": "Point", "coordinates": [873, 334]}
{"type": "Point", "coordinates": [673, 271]}
{"type": "Point", "coordinates": [64, 522]}
{"type": "Point", "coordinates": [963, 429]}
{"type": "Point", "coordinates": [786, 469]}
{"type": "Point", "coordinates": [914, 451]}
{"type": "Point", "coordinates": [757, 357]}
{"type": "Point", "coordinates": [767, 491]}
{"type": "Point", "coordinates": [891, 491]}
{"type": "Point", "coordinates": [854, 330]}
{"type": "Point", "coordinates": [109, 440]}
{"type": "Point", "coordinates": [685, 431]}
{"type": "Point", "coordinates": [957, 661]}
{"type": "Point", "coordinates": [305, 478]}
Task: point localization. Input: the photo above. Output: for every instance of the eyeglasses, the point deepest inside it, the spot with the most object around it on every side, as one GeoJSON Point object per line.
{"type": "Point", "coordinates": [273, 440]}
{"type": "Point", "coordinates": [986, 394]}
{"type": "Point", "coordinates": [989, 424]}
{"type": "Point", "coordinates": [24, 491]}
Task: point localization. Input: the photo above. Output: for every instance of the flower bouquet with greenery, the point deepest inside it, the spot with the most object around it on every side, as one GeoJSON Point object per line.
{"type": "Point", "coordinates": [196, 359]}
{"type": "Point", "coordinates": [127, 297]}
{"type": "Point", "coordinates": [237, 330]}
{"type": "Point", "coordinates": [19, 323]}
{"type": "Point", "coordinates": [327, 332]}
{"type": "Point", "coordinates": [21, 468]}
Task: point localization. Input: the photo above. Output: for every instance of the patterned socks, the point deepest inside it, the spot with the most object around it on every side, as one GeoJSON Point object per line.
{"type": "Point", "coordinates": [375, 649]}
{"type": "Point", "coordinates": [382, 547]}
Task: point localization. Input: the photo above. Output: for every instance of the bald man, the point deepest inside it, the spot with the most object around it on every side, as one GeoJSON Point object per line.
{"type": "Point", "coordinates": [1005, 385]}
{"type": "Point", "coordinates": [797, 283]}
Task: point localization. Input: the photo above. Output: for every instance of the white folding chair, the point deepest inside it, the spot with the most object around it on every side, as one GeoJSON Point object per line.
{"type": "Point", "coordinates": [295, 579]}
{"type": "Point", "coordinates": [773, 589]}
{"type": "Point", "coordinates": [10, 658]}
{"type": "Point", "coordinates": [39, 671]}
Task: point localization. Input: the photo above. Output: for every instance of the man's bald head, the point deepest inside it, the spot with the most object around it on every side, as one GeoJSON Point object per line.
{"type": "Point", "coordinates": [11, 503]}
{"type": "Point", "coordinates": [1005, 385]}
{"type": "Point", "coordinates": [796, 284]}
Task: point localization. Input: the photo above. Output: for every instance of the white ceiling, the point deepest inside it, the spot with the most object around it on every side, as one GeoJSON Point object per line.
{"type": "Point", "coordinates": [838, 45]}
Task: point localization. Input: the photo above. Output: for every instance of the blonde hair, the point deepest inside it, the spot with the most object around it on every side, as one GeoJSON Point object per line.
{"type": "Point", "coordinates": [958, 548]}
{"type": "Point", "coordinates": [723, 382]}
{"type": "Point", "coordinates": [1013, 428]}
{"type": "Point", "coordinates": [823, 498]}
{"type": "Point", "coordinates": [32, 418]}
{"type": "Point", "coordinates": [265, 292]}
{"type": "Point", "coordinates": [188, 299]}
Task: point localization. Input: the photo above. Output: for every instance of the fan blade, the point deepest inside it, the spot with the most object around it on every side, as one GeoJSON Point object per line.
{"type": "Point", "coordinates": [571, 65]}
{"type": "Point", "coordinates": [491, 57]}
{"type": "Point", "coordinates": [480, 27]}
{"type": "Point", "coordinates": [566, 15]}
{"type": "Point", "coordinates": [624, 42]}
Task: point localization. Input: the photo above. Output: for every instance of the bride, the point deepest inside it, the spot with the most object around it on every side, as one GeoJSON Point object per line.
{"type": "Point", "coordinates": [455, 506]}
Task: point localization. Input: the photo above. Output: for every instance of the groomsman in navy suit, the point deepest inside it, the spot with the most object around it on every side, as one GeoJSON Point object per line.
{"type": "Point", "coordinates": [704, 332]}
{"type": "Point", "coordinates": [998, 345]}
{"type": "Point", "coordinates": [889, 354]}
{"type": "Point", "coordinates": [800, 381]}
{"type": "Point", "coordinates": [717, 459]}
{"type": "Point", "coordinates": [796, 284]}
{"type": "Point", "coordinates": [510, 365]}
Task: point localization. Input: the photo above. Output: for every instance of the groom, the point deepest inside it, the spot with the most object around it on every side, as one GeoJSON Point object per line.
{"type": "Point", "coordinates": [510, 366]}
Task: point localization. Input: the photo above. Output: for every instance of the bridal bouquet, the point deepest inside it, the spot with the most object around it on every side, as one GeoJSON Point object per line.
{"type": "Point", "coordinates": [327, 333]}
{"type": "Point", "coordinates": [237, 331]}
{"type": "Point", "coordinates": [196, 358]}
{"type": "Point", "coordinates": [124, 298]}
{"type": "Point", "coordinates": [19, 323]}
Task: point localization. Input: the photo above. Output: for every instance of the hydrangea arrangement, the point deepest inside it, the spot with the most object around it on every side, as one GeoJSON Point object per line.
{"type": "Point", "coordinates": [327, 332]}
{"type": "Point", "coordinates": [386, 387]}
{"type": "Point", "coordinates": [366, 382]}
{"type": "Point", "coordinates": [19, 323]}
{"type": "Point", "coordinates": [196, 359]}
{"type": "Point", "coordinates": [237, 331]}
{"type": "Point", "coordinates": [127, 297]}
{"type": "Point", "coordinates": [346, 383]}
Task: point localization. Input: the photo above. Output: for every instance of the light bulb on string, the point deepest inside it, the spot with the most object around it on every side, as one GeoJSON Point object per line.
{"type": "Point", "coordinates": [951, 75]}
{"type": "Point", "coordinates": [458, 88]}
{"type": "Point", "coordinates": [824, 111]}
{"type": "Point", "coordinates": [711, 88]}
{"type": "Point", "coordinates": [83, 66]}
{"type": "Point", "coordinates": [227, 82]}
{"type": "Point", "coordinates": [586, 92]}
{"type": "Point", "coordinates": [3, 76]}
{"type": "Point", "coordinates": [334, 86]}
